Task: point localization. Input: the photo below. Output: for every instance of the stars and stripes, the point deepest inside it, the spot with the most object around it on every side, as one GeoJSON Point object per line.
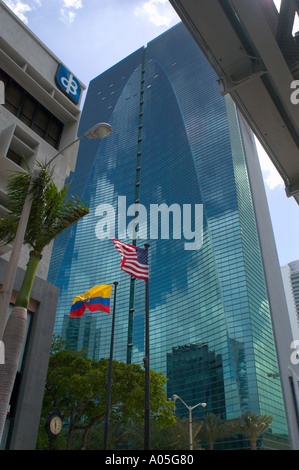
{"type": "Point", "coordinates": [134, 260]}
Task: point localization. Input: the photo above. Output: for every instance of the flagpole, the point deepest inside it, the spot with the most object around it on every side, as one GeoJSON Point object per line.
{"type": "Point", "coordinates": [146, 368]}
{"type": "Point", "coordinates": [109, 382]}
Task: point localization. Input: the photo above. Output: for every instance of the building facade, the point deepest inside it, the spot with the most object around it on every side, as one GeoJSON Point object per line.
{"type": "Point", "coordinates": [37, 119]}
{"type": "Point", "coordinates": [290, 277]}
{"type": "Point", "coordinates": [177, 147]}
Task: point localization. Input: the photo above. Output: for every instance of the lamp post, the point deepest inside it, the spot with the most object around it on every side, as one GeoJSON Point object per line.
{"type": "Point", "coordinates": [190, 409]}
{"type": "Point", "coordinates": [98, 131]}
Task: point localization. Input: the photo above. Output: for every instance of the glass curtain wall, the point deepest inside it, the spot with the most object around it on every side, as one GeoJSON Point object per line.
{"type": "Point", "coordinates": [175, 142]}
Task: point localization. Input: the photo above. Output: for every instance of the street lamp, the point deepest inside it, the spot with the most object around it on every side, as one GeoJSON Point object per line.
{"type": "Point", "coordinates": [98, 131]}
{"type": "Point", "coordinates": [190, 408]}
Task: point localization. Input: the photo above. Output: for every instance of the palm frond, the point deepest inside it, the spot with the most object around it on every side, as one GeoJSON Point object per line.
{"type": "Point", "coordinates": [17, 189]}
{"type": "Point", "coordinates": [52, 211]}
{"type": "Point", "coordinates": [61, 214]}
{"type": "Point", "coordinates": [8, 229]}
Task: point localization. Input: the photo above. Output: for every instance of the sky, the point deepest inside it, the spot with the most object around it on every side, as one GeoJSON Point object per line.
{"type": "Point", "coordinates": [90, 36]}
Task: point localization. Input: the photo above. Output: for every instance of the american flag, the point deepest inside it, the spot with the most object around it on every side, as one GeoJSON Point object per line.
{"type": "Point", "coordinates": [134, 260]}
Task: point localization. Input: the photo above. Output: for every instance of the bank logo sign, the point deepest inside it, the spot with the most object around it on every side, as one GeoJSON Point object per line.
{"type": "Point", "coordinates": [68, 84]}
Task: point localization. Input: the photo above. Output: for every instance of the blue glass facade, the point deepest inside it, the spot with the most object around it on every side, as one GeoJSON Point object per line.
{"type": "Point", "coordinates": [175, 141]}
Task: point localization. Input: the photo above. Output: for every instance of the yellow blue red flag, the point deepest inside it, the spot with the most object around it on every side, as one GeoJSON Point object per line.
{"type": "Point", "coordinates": [96, 298]}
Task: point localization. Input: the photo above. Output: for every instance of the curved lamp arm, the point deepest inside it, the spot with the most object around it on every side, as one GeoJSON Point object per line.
{"type": "Point", "coordinates": [98, 131]}
{"type": "Point", "coordinates": [175, 397]}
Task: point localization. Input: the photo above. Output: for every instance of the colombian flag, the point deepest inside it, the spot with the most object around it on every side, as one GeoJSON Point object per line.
{"type": "Point", "coordinates": [96, 298]}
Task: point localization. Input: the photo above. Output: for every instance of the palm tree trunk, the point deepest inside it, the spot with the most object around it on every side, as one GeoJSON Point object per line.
{"type": "Point", "coordinates": [23, 297]}
{"type": "Point", "coordinates": [253, 445]}
{"type": "Point", "coordinates": [13, 338]}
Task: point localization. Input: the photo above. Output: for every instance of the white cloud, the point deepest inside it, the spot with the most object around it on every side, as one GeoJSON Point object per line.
{"type": "Point", "coordinates": [73, 4]}
{"type": "Point", "coordinates": [158, 12]}
{"type": "Point", "coordinates": [67, 11]}
{"type": "Point", "coordinates": [271, 177]}
{"type": "Point", "coordinates": [19, 8]}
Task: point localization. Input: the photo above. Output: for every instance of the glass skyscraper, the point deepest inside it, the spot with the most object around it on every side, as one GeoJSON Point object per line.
{"type": "Point", "coordinates": [175, 142]}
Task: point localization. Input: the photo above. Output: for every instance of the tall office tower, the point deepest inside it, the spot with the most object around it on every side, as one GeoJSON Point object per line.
{"type": "Point", "coordinates": [176, 142]}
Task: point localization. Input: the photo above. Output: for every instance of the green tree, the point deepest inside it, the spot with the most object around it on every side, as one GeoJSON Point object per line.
{"type": "Point", "coordinates": [76, 385]}
{"type": "Point", "coordinates": [212, 428]}
{"type": "Point", "coordinates": [252, 426]}
{"type": "Point", "coordinates": [51, 213]}
{"type": "Point", "coordinates": [174, 437]}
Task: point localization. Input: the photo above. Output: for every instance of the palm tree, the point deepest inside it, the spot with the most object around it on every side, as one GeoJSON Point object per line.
{"type": "Point", "coordinates": [212, 429]}
{"type": "Point", "coordinates": [51, 213]}
{"type": "Point", "coordinates": [252, 426]}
